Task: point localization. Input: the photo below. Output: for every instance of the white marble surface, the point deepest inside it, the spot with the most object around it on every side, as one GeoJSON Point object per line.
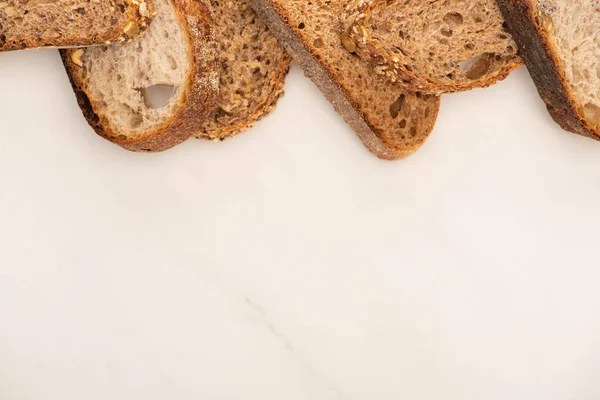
{"type": "Point", "coordinates": [289, 263]}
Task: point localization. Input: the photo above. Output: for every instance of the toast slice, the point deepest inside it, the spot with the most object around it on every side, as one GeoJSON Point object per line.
{"type": "Point", "coordinates": [560, 43]}
{"type": "Point", "coordinates": [391, 121]}
{"type": "Point", "coordinates": [71, 23]}
{"type": "Point", "coordinates": [119, 87]}
{"type": "Point", "coordinates": [436, 46]}
{"type": "Point", "coordinates": [253, 70]}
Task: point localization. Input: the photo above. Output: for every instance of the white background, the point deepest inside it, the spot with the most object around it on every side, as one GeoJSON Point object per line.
{"type": "Point", "coordinates": [290, 263]}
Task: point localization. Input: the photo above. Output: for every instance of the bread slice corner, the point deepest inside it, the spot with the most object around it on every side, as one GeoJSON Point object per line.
{"type": "Point", "coordinates": [435, 46]}
{"type": "Point", "coordinates": [178, 56]}
{"type": "Point", "coordinates": [560, 42]}
{"type": "Point", "coordinates": [71, 23]}
{"type": "Point", "coordinates": [254, 66]}
{"type": "Point", "coordinates": [391, 121]}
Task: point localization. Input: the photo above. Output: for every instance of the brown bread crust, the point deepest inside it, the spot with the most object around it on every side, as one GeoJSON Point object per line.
{"type": "Point", "coordinates": [139, 13]}
{"type": "Point", "coordinates": [198, 98]}
{"type": "Point", "coordinates": [228, 119]}
{"type": "Point", "coordinates": [376, 140]}
{"type": "Point", "coordinates": [539, 52]}
{"type": "Point", "coordinates": [357, 37]}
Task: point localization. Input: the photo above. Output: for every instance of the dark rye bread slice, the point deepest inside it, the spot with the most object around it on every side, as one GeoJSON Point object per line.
{"type": "Point", "coordinates": [115, 84]}
{"type": "Point", "coordinates": [436, 46]}
{"type": "Point", "coordinates": [560, 43]}
{"type": "Point", "coordinates": [253, 70]}
{"type": "Point", "coordinates": [390, 121]}
{"type": "Point", "coordinates": [71, 23]}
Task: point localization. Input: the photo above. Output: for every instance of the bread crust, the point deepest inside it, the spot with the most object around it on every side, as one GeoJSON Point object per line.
{"type": "Point", "coordinates": [342, 100]}
{"type": "Point", "coordinates": [386, 63]}
{"type": "Point", "coordinates": [264, 107]}
{"type": "Point", "coordinates": [539, 52]}
{"type": "Point", "coordinates": [197, 101]}
{"type": "Point", "coordinates": [139, 12]}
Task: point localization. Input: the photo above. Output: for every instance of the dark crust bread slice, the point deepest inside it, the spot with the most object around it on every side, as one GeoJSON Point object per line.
{"type": "Point", "coordinates": [132, 23]}
{"type": "Point", "coordinates": [487, 70]}
{"type": "Point", "coordinates": [529, 26]}
{"type": "Point", "coordinates": [247, 50]}
{"type": "Point", "coordinates": [376, 136]}
{"type": "Point", "coordinates": [199, 96]}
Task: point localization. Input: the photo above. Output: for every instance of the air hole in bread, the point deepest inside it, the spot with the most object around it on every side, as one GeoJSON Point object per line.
{"type": "Point", "coordinates": [301, 25]}
{"type": "Point", "coordinates": [136, 121]}
{"type": "Point", "coordinates": [157, 96]}
{"type": "Point", "coordinates": [172, 63]}
{"type": "Point", "coordinates": [592, 113]}
{"type": "Point", "coordinates": [447, 32]}
{"type": "Point", "coordinates": [318, 43]}
{"type": "Point", "coordinates": [396, 106]}
{"type": "Point", "coordinates": [477, 67]}
{"type": "Point", "coordinates": [454, 19]}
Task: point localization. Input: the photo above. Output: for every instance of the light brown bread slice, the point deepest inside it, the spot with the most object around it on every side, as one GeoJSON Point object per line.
{"type": "Point", "coordinates": [115, 85]}
{"type": "Point", "coordinates": [391, 121]}
{"type": "Point", "coordinates": [71, 23]}
{"type": "Point", "coordinates": [253, 70]}
{"type": "Point", "coordinates": [560, 43]}
{"type": "Point", "coordinates": [435, 46]}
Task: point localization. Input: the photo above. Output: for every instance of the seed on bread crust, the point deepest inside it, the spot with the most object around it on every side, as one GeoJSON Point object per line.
{"type": "Point", "coordinates": [348, 43]}
{"type": "Point", "coordinates": [76, 57]}
{"type": "Point", "coordinates": [132, 29]}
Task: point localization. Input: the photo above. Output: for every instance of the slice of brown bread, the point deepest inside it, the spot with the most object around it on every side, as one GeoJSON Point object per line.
{"type": "Point", "coordinates": [391, 121]}
{"type": "Point", "coordinates": [115, 84]}
{"type": "Point", "coordinates": [560, 43]}
{"type": "Point", "coordinates": [71, 23]}
{"type": "Point", "coordinates": [253, 70]}
{"type": "Point", "coordinates": [435, 46]}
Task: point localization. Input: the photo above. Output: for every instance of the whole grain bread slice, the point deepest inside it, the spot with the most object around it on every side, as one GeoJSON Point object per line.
{"type": "Point", "coordinates": [71, 23]}
{"type": "Point", "coordinates": [253, 70]}
{"type": "Point", "coordinates": [560, 43]}
{"type": "Point", "coordinates": [436, 46]}
{"type": "Point", "coordinates": [391, 121]}
{"type": "Point", "coordinates": [115, 85]}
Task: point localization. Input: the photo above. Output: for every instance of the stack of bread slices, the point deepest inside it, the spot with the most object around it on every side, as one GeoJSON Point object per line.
{"type": "Point", "coordinates": [149, 74]}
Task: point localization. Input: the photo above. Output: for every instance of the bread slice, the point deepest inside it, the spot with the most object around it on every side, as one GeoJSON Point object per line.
{"type": "Point", "coordinates": [560, 43]}
{"type": "Point", "coordinates": [436, 46]}
{"type": "Point", "coordinates": [115, 85]}
{"type": "Point", "coordinates": [391, 121]}
{"type": "Point", "coordinates": [253, 70]}
{"type": "Point", "coordinates": [71, 23]}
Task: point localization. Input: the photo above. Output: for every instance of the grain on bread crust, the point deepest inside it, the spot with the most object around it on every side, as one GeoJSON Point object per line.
{"type": "Point", "coordinates": [198, 92]}
{"type": "Point", "coordinates": [532, 27]}
{"type": "Point", "coordinates": [391, 122]}
{"type": "Point", "coordinates": [435, 46]}
{"type": "Point", "coordinates": [71, 23]}
{"type": "Point", "coordinates": [253, 70]}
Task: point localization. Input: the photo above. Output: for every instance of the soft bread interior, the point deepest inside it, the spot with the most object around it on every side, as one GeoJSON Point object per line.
{"type": "Point", "coordinates": [575, 27]}
{"type": "Point", "coordinates": [136, 87]}
{"type": "Point", "coordinates": [401, 119]}
{"type": "Point", "coordinates": [252, 61]}
{"type": "Point", "coordinates": [444, 39]}
{"type": "Point", "coordinates": [47, 21]}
